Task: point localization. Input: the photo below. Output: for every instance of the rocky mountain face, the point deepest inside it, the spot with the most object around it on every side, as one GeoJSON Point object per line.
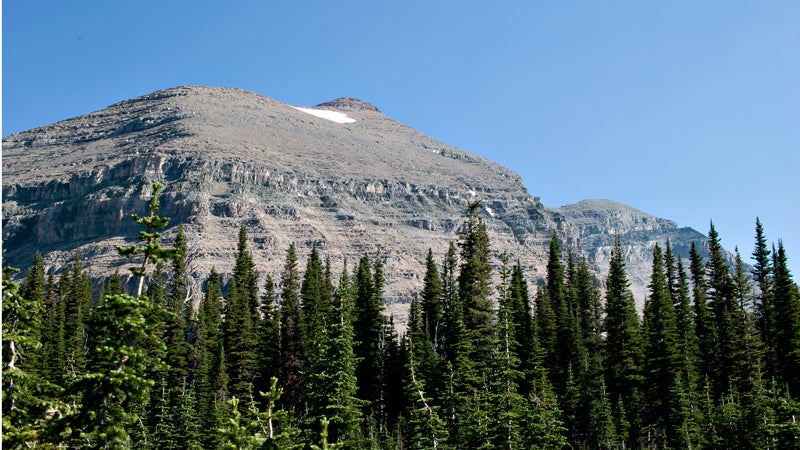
{"type": "Point", "coordinates": [340, 176]}
{"type": "Point", "coordinates": [600, 221]}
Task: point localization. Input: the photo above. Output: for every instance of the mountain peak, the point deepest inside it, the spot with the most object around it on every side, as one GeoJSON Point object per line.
{"type": "Point", "coordinates": [349, 104]}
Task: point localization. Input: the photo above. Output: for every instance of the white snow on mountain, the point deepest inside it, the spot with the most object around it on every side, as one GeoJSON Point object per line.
{"type": "Point", "coordinates": [333, 116]}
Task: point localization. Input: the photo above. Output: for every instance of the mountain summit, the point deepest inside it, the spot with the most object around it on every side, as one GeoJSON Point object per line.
{"type": "Point", "coordinates": [349, 104]}
{"type": "Point", "coordinates": [351, 183]}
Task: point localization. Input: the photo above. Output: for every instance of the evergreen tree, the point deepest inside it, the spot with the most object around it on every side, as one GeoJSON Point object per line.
{"type": "Point", "coordinates": [33, 290]}
{"type": "Point", "coordinates": [592, 398]}
{"type": "Point", "coordinates": [704, 326]}
{"type": "Point", "coordinates": [432, 314]}
{"type": "Point", "coordinates": [315, 299]}
{"type": "Point", "coordinates": [123, 348]}
{"type": "Point", "coordinates": [241, 322]}
{"type": "Point", "coordinates": [727, 318]}
{"type": "Point", "coordinates": [623, 349]}
{"type": "Point", "coordinates": [505, 429]}
{"type": "Point", "coordinates": [561, 354]}
{"type": "Point", "coordinates": [368, 321]}
{"type": "Point", "coordinates": [176, 335]}
{"type": "Point", "coordinates": [524, 331]}
{"type": "Point", "coordinates": [662, 358]}
{"type": "Point", "coordinates": [211, 376]}
{"type": "Point", "coordinates": [268, 336]}
{"type": "Point", "coordinates": [29, 402]}
{"type": "Point", "coordinates": [423, 427]}
{"type": "Point", "coordinates": [474, 284]}
{"type": "Point", "coordinates": [786, 339]}
{"type": "Point", "coordinates": [291, 356]}
{"type": "Point", "coordinates": [451, 305]}
{"type": "Point", "coordinates": [53, 338]}
{"type": "Point", "coordinates": [75, 287]}
{"type": "Point", "coordinates": [762, 276]}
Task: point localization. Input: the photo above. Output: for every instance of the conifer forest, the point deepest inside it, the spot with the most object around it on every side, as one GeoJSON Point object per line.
{"type": "Point", "coordinates": [307, 358]}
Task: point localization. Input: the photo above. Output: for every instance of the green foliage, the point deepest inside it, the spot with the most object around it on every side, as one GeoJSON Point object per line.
{"type": "Point", "coordinates": [29, 402]}
{"type": "Point", "coordinates": [476, 368]}
{"type": "Point", "coordinates": [623, 350]}
{"type": "Point", "coordinates": [151, 248]}
{"type": "Point", "coordinates": [115, 380]}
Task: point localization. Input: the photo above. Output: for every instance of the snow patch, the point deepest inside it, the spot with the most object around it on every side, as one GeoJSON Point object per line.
{"type": "Point", "coordinates": [489, 210]}
{"type": "Point", "coordinates": [333, 116]}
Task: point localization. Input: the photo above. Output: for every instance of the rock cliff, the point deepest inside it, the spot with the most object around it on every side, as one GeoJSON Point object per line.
{"type": "Point", "coordinates": [230, 157]}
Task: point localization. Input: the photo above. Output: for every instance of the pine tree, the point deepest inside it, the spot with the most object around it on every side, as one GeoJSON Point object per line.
{"type": "Point", "coordinates": [704, 326]}
{"type": "Point", "coordinates": [762, 276]}
{"type": "Point", "coordinates": [241, 322]}
{"type": "Point", "coordinates": [451, 306]}
{"type": "Point", "coordinates": [623, 349]}
{"type": "Point", "coordinates": [331, 381]}
{"type": "Point", "coordinates": [432, 314]}
{"type": "Point", "coordinates": [368, 322]}
{"type": "Point", "coordinates": [786, 339]}
{"type": "Point", "coordinates": [589, 365]}
{"type": "Point", "coordinates": [505, 430]}
{"type": "Point", "coordinates": [176, 334]}
{"type": "Point", "coordinates": [75, 287]}
{"type": "Point", "coordinates": [560, 355]}
{"type": "Point", "coordinates": [726, 315]}
{"type": "Point", "coordinates": [662, 362]}
{"type": "Point", "coordinates": [268, 336]}
{"type": "Point", "coordinates": [291, 356]}
{"type": "Point", "coordinates": [525, 333]}
{"type": "Point", "coordinates": [29, 402]}
{"type": "Point", "coordinates": [33, 290]}
{"type": "Point", "coordinates": [211, 376]}
{"type": "Point", "coordinates": [53, 339]}
{"type": "Point", "coordinates": [423, 427]}
{"type": "Point", "coordinates": [474, 284]}
{"type": "Point", "coordinates": [123, 348]}
{"type": "Point", "coordinates": [315, 298]}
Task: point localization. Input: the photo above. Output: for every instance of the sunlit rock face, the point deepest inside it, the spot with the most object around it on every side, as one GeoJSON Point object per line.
{"type": "Point", "coordinates": [340, 176]}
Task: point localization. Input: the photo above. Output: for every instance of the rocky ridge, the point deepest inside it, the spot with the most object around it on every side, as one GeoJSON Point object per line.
{"type": "Point", "coordinates": [229, 157]}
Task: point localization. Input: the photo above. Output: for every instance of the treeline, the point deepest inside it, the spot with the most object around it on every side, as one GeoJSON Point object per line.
{"type": "Point", "coordinates": [309, 360]}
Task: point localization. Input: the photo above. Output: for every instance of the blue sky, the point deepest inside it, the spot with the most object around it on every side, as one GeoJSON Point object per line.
{"type": "Point", "coordinates": [686, 110]}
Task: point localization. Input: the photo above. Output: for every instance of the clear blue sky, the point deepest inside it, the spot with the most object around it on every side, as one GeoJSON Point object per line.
{"type": "Point", "coordinates": [686, 110]}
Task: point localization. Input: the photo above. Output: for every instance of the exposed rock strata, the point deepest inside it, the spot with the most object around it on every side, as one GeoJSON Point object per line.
{"type": "Point", "coordinates": [230, 157]}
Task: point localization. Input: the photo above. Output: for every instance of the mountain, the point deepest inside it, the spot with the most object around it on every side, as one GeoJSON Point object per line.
{"type": "Point", "coordinates": [600, 221]}
{"type": "Point", "coordinates": [340, 176]}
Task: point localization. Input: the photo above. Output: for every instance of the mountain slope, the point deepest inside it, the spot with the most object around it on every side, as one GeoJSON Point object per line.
{"type": "Point", "coordinates": [340, 176]}
{"type": "Point", "coordinates": [230, 157]}
{"type": "Point", "coordinates": [600, 221]}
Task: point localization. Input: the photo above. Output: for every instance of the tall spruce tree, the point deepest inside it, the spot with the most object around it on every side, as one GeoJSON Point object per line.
{"type": "Point", "coordinates": [726, 316]}
{"type": "Point", "coordinates": [368, 322]}
{"type": "Point", "coordinates": [762, 276]}
{"type": "Point", "coordinates": [269, 330]}
{"type": "Point", "coordinates": [560, 355]}
{"type": "Point", "coordinates": [123, 348]}
{"type": "Point", "coordinates": [623, 349]}
{"type": "Point", "coordinates": [423, 428]}
{"type": "Point", "coordinates": [29, 401]}
{"type": "Point", "coordinates": [211, 373]}
{"type": "Point", "coordinates": [76, 289]}
{"type": "Point", "coordinates": [241, 322]}
{"type": "Point", "coordinates": [704, 326]}
{"type": "Point", "coordinates": [432, 314]}
{"type": "Point", "coordinates": [474, 284]}
{"type": "Point", "coordinates": [662, 362]}
{"type": "Point", "coordinates": [291, 352]}
{"type": "Point", "coordinates": [331, 380]}
{"type": "Point", "coordinates": [786, 339]}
